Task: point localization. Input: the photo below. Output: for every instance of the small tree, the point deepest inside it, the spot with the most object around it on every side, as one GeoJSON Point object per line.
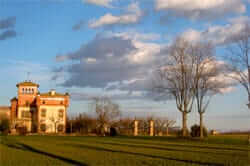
{"type": "Point", "coordinates": [106, 112]}
{"type": "Point", "coordinates": [164, 123]}
{"type": "Point", "coordinates": [55, 122]}
{"type": "Point", "coordinates": [4, 125]}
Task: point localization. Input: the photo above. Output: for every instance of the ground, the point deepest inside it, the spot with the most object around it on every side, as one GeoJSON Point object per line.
{"type": "Point", "coordinates": [171, 151]}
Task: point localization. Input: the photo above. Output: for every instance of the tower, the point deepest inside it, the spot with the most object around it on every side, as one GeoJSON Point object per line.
{"type": "Point", "coordinates": [27, 92]}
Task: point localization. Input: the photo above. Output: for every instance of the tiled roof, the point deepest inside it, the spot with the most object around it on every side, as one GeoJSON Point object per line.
{"type": "Point", "coordinates": [49, 94]}
{"type": "Point", "coordinates": [27, 83]}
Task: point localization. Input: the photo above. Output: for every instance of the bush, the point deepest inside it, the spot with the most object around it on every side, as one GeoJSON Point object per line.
{"type": "Point", "coordinates": [113, 132]}
{"type": "Point", "coordinates": [5, 126]}
{"type": "Point", "coordinates": [195, 131]}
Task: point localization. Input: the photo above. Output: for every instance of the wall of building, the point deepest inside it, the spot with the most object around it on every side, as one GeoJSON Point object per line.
{"type": "Point", "coordinates": [52, 119]}
{"type": "Point", "coordinates": [26, 116]}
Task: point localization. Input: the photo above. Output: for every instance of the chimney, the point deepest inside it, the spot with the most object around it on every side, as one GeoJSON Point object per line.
{"type": "Point", "coordinates": [52, 92]}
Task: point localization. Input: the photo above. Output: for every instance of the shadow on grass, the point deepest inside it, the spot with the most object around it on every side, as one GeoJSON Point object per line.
{"type": "Point", "coordinates": [184, 145]}
{"type": "Point", "coordinates": [25, 147]}
{"type": "Point", "coordinates": [146, 155]}
{"type": "Point", "coordinates": [244, 155]}
{"type": "Point", "coordinates": [192, 146]}
{"type": "Point", "coordinates": [224, 141]}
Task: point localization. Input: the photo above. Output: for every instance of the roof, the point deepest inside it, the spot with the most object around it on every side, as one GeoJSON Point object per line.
{"type": "Point", "coordinates": [49, 94]}
{"type": "Point", "coordinates": [27, 83]}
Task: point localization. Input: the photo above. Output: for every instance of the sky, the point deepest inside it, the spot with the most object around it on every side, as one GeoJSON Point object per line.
{"type": "Point", "coordinates": [109, 48]}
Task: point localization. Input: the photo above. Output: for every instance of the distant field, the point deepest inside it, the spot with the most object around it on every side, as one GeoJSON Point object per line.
{"type": "Point", "coordinates": [107, 151]}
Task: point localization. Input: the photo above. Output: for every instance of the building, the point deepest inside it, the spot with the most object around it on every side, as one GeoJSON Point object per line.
{"type": "Point", "coordinates": [38, 112]}
{"type": "Point", "coordinates": [4, 112]}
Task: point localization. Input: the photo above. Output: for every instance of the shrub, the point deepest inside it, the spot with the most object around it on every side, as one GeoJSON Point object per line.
{"type": "Point", "coordinates": [195, 131]}
{"type": "Point", "coordinates": [113, 132]}
{"type": "Point", "coordinates": [5, 126]}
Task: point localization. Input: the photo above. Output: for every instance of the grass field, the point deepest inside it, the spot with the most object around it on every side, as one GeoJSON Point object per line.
{"type": "Point", "coordinates": [68, 150]}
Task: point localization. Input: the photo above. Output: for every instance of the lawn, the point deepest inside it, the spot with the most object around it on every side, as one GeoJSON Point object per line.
{"type": "Point", "coordinates": [171, 151]}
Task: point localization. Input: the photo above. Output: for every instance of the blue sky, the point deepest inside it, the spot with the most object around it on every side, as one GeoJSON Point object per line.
{"type": "Point", "coordinates": [86, 46]}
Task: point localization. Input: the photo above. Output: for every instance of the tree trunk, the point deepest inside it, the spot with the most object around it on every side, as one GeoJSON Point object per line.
{"type": "Point", "coordinates": [167, 131]}
{"type": "Point", "coordinates": [184, 123]}
{"type": "Point", "coordinates": [201, 126]}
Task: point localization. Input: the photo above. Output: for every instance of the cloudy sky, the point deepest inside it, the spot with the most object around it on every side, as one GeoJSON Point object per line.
{"type": "Point", "coordinates": [109, 47]}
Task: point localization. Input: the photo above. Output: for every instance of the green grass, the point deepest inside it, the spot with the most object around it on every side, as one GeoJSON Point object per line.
{"type": "Point", "coordinates": [169, 151]}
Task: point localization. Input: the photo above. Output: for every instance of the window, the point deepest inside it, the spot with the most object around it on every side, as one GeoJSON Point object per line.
{"type": "Point", "coordinates": [26, 114]}
{"type": "Point", "coordinates": [43, 127]}
{"type": "Point", "coordinates": [60, 128]}
{"type": "Point", "coordinates": [60, 113]}
{"type": "Point", "coordinates": [32, 91]}
{"type": "Point", "coordinates": [43, 113]}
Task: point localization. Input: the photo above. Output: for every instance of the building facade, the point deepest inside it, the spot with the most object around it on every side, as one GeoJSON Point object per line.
{"type": "Point", "coordinates": [38, 112]}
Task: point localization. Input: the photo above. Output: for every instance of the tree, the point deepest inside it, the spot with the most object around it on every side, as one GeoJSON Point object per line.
{"type": "Point", "coordinates": [238, 59]}
{"type": "Point", "coordinates": [106, 111]}
{"type": "Point", "coordinates": [4, 125]}
{"type": "Point", "coordinates": [206, 73]}
{"type": "Point", "coordinates": [174, 79]}
{"type": "Point", "coordinates": [55, 122]}
{"type": "Point", "coordinates": [164, 123]}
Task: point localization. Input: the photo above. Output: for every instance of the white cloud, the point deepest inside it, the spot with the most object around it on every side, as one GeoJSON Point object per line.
{"type": "Point", "coordinates": [114, 61]}
{"type": "Point", "coordinates": [105, 3]}
{"type": "Point", "coordinates": [138, 36]}
{"type": "Point", "coordinates": [201, 9]}
{"type": "Point", "coordinates": [219, 34]}
{"type": "Point", "coordinates": [131, 16]}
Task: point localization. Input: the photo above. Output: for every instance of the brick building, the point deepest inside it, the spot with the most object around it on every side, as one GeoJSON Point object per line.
{"type": "Point", "coordinates": [38, 112]}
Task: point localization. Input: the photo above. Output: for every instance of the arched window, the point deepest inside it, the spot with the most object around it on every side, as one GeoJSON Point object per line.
{"type": "Point", "coordinates": [32, 91]}
{"type": "Point", "coordinates": [23, 90]}
{"type": "Point", "coordinates": [60, 128]}
{"type": "Point", "coordinates": [61, 113]}
{"type": "Point", "coordinates": [43, 127]}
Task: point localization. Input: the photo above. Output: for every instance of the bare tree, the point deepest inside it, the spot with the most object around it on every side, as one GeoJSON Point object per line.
{"type": "Point", "coordinates": [106, 111]}
{"type": "Point", "coordinates": [206, 83]}
{"type": "Point", "coordinates": [239, 51]}
{"type": "Point", "coordinates": [175, 78]}
{"type": "Point", "coordinates": [55, 122]}
{"type": "Point", "coordinates": [164, 123]}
